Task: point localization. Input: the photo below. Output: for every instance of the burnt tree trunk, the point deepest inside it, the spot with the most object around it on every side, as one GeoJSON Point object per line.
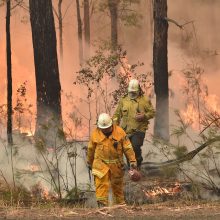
{"type": "Point", "coordinates": [113, 8]}
{"type": "Point", "coordinates": [49, 118]}
{"type": "Point", "coordinates": [9, 74]}
{"type": "Point", "coordinates": [60, 20]}
{"type": "Point", "coordinates": [86, 29]}
{"type": "Point", "coordinates": [160, 65]}
{"type": "Point", "coordinates": [79, 23]}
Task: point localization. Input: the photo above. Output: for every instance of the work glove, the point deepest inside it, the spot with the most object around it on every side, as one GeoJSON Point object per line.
{"type": "Point", "coordinates": [140, 116]}
{"type": "Point", "coordinates": [133, 165]}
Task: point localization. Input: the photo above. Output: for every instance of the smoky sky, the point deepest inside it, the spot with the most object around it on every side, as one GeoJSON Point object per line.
{"type": "Point", "coordinates": [199, 40]}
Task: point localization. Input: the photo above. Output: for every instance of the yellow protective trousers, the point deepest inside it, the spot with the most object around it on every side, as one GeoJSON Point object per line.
{"type": "Point", "coordinates": [110, 180]}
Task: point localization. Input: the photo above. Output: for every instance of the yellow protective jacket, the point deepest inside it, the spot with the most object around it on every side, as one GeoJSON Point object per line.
{"type": "Point", "coordinates": [103, 152]}
{"type": "Point", "coordinates": [126, 111]}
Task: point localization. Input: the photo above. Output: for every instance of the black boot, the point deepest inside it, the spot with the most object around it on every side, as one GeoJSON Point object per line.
{"type": "Point", "coordinates": [139, 161]}
{"type": "Point", "coordinates": [101, 205]}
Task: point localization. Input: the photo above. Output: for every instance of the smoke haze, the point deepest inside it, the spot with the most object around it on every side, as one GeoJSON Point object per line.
{"type": "Point", "coordinates": [198, 42]}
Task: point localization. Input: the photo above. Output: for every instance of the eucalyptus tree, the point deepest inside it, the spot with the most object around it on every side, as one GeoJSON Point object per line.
{"type": "Point", "coordinates": [160, 66]}
{"type": "Point", "coordinates": [49, 117]}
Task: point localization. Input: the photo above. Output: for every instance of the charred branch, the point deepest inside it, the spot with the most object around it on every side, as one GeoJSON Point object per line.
{"type": "Point", "coordinates": [176, 23]}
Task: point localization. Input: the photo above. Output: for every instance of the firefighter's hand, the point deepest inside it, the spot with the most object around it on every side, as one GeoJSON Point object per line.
{"type": "Point", "coordinates": [139, 116]}
{"type": "Point", "coordinates": [133, 165]}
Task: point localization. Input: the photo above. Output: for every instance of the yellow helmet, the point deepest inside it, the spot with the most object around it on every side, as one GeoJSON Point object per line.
{"type": "Point", "coordinates": [104, 121]}
{"type": "Point", "coordinates": [133, 86]}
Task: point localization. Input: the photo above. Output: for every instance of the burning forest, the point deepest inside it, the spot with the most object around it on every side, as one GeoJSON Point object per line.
{"type": "Point", "coordinates": [118, 118]}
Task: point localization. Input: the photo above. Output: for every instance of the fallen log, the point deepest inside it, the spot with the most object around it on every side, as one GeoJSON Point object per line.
{"type": "Point", "coordinates": [186, 157]}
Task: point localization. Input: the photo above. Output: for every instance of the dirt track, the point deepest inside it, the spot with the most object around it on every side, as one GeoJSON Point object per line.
{"type": "Point", "coordinates": [162, 211]}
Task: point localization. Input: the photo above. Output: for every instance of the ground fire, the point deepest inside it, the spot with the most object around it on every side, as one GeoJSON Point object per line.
{"type": "Point", "coordinates": [171, 189]}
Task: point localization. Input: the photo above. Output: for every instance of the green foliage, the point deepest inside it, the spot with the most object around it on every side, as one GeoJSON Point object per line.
{"type": "Point", "coordinates": [131, 19]}
{"type": "Point", "coordinates": [60, 134]}
{"type": "Point", "coordinates": [23, 109]}
{"type": "Point", "coordinates": [194, 86]}
{"type": "Point", "coordinates": [180, 151]}
{"type": "Point", "coordinates": [16, 196]}
{"type": "Point", "coordinates": [77, 121]}
{"type": "Point", "coordinates": [40, 144]}
{"type": "Point", "coordinates": [21, 98]}
{"type": "Point", "coordinates": [169, 172]}
{"type": "Point", "coordinates": [180, 129]}
{"type": "Point", "coordinates": [128, 12]}
{"type": "Point", "coordinates": [74, 193]}
{"type": "Point", "coordinates": [106, 63]}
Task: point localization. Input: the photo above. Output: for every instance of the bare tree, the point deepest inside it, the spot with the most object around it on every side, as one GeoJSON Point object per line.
{"type": "Point", "coordinates": [86, 29]}
{"type": "Point", "coordinates": [9, 86]}
{"type": "Point", "coordinates": [113, 8]}
{"type": "Point", "coordinates": [150, 18]}
{"type": "Point", "coordinates": [60, 15]}
{"type": "Point", "coordinates": [161, 126]}
{"type": "Point", "coordinates": [60, 19]}
{"type": "Point", "coordinates": [79, 22]}
{"type": "Point", "coordinates": [46, 68]}
{"type": "Point", "coordinates": [9, 73]}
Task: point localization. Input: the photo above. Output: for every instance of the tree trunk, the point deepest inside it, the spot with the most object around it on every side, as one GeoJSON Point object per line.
{"type": "Point", "coordinates": [49, 118]}
{"type": "Point", "coordinates": [79, 22]}
{"type": "Point", "coordinates": [9, 74]}
{"type": "Point", "coordinates": [60, 20]}
{"type": "Point", "coordinates": [113, 8]}
{"type": "Point", "coordinates": [151, 20]}
{"type": "Point", "coordinates": [161, 126]}
{"type": "Point", "coordinates": [86, 29]}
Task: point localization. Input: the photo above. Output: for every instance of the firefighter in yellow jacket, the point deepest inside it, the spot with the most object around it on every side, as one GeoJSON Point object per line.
{"type": "Point", "coordinates": [106, 147]}
{"type": "Point", "coordinates": [133, 114]}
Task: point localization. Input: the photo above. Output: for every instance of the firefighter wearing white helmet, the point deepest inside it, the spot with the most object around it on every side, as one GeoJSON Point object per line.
{"type": "Point", "coordinates": [133, 88]}
{"type": "Point", "coordinates": [106, 147]}
{"type": "Point", "coordinates": [104, 121]}
{"type": "Point", "coordinates": [133, 114]}
{"type": "Point", "coordinates": [133, 85]}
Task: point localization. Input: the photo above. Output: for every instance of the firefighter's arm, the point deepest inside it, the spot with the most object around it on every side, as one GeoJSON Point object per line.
{"type": "Point", "coordinates": [128, 151]}
{"type": "Point", "coordinates": [149, 110]}
{"type": "Point", "coordinates": [90, 152]}
{"type": "Point", "coordinates": [117, 115]}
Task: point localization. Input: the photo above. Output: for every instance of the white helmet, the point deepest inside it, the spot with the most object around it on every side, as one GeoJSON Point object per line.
{"type": "Point", "coordinates": [133, 86]}
{"type": "Point", "coordinates": [104, 121]}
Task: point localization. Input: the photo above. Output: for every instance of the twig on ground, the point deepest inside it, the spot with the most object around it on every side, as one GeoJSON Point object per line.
{"type": "Point", "coordinates": [103, 213]}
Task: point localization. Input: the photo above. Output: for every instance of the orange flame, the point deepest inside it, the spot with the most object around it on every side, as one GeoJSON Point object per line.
{"type": "Point", "coordinates": [42, 191]}
{"type": "Point", "coordinates": [190, 116]}
{"type": "Point", "coordinates": [159, 191]}
{"type": "Point", "coordinates": [212, 102]}
{"type": "Point", "coordinates": [34, 168]}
